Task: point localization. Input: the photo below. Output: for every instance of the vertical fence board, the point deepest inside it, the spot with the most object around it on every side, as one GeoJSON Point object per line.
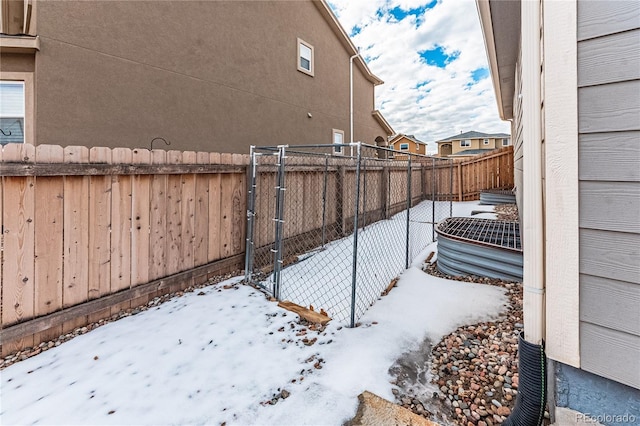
{"type": "Point", "coordinates": [174, 216]}
{"type": "Point", "coordinates": [120, 228]}
{"type": "Point", "coordinates": [140, 229]}
{"type": "Point", "coordinates": [99, 232]}
{"type": "Point", "coordinates": [18, 284]}
{"type": "Point", "coordinates": [75, 277]}
{"type": "Point", "coordinates": [49, 196]}
{"type": "Point", "coordinates": [215, 202]}
{"type": "Point", "coordinates": [201, 220]}
{"type": "Point", "coordinates": [188, 213]}
{"type": "Point", "coordinates": [158, 219]}
{"type": "Point", "coordinates": [239, 206]}
{"type": "Point", "coordinates": [226, 208]}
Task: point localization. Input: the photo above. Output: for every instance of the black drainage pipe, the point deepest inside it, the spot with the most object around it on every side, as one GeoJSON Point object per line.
{"type": "Point", "coordinates": [532, 386]}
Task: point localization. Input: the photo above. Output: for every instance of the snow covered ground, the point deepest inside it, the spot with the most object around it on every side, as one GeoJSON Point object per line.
{"type": "Point", "coordinates": [219, 355]}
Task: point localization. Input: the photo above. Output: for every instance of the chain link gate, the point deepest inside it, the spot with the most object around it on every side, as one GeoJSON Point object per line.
{"type": "Point", "coordinates": [331, 225]}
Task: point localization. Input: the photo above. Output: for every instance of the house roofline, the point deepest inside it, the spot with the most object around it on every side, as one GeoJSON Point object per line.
{"type": "Point", "coordinates": [501, 36]}
{"type": "Point", "coordinates": [344, 38]}
{"type": "Point", "coordinates": [383, 122]}
{"type": "Point", "coordinates": [402, 135]}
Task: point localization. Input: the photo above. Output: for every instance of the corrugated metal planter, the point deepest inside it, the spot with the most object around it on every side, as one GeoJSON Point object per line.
{"type": "Point", "coordinates": [497, 196]}
{"type": "Point", "coordinates": [483, 247]}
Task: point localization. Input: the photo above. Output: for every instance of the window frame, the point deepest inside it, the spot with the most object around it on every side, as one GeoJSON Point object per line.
{"type": "Point", "coordinates": [404, 146]}
{"type": "Point", "coordinates": [485, 141]}
{"type": "Point", "coordinates": [337, 150]}
{"type": "Point", "coordinates": [27, 79]}
{"type": "Point", "coordinates": [507, 142]}
{"type": "Point", "coordinates": [311, 70]}
{"type": "Point", "coordinates": [465, 143]}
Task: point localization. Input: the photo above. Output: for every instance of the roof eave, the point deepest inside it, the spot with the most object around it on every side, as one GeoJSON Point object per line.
{"type": "Point", "coordinates": [383, 122]}
{"type": "Point", "coordinates": [501, 39]}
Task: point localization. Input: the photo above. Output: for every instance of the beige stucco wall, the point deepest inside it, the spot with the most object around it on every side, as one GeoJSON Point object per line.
{"type": "Point", "coordinates": [216, 76]}
{"type": "Point", "coordinates": [475, 144]}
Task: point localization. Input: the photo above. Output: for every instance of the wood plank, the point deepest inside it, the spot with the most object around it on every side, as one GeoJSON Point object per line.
{"type": "Point", "coordinates": [609, 107]}
{"type": "Point", "coordinates": [611, 255]}
{"type": "Point", "coordinates": [120, 227]}
{"type": "Point", "coordinates": [140, 217]}
{"type": "Point", "coordinates": [215, 206]}
{"type": "Point", "coordinates": [610, 206]}
{"type": "Point", "coordinates": [187, 220]}
{"type": "Point", "coordinates": [610, 156]}
{"type": "Point", "coordinates": [104, 303]}
{"type": "Point", "coordinates": [309, 315]}
{"type": "Point", "coordinates": [46, 169]}
{"type": "Point", "coordinates": [49, 218]}
{"type": "Point", "coordinates": [610, 353]}
{"type": "Point", "coordinates": [609, 59]}
{"type": "Point", "coordinates": [610, 303]}
{"type": "Point", "coordinates": [99, 232]}
{"type": "Point", "coordinates": [75, 278]}
{"type": "Point", "coordinates": [226, 210]}
{"type": "Point", "coordinates": [18, 285]}
{"type": "Point", "coordinates": [598, 18]}
{"type": "Point", "coordinates": [239, 214]}
{"type": "Point", "coordinates": [158, 219]}
{"type": "Point", "coordinates": [174, 217]}
{"type": "Point", "coordinates": [201, 221]}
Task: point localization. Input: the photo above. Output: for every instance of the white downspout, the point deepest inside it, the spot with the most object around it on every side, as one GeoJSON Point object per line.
{"type": "Point", "coordinates": [532, 215]}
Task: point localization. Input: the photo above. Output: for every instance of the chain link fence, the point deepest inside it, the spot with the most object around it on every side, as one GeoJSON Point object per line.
{"type": "Point", "coordinates": [330, 226]}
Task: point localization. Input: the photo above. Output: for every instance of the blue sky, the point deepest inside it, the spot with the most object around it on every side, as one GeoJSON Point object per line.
{"type": "Point", "coordinates": [431, 55]}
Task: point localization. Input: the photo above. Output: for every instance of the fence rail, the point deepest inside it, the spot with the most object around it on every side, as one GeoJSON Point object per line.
{"type": "Point", "coordinates": [81, 225]}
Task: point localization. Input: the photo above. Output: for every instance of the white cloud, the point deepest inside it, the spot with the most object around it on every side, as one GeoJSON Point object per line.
{"type": "Point", "coordinates": [417, 98]}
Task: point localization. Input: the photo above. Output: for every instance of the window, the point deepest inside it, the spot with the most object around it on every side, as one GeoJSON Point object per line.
{"type": "Point", "coordinates": [404, 147]}
{"type": "Point", "coordinates": [505, 142]}
{"type": "Point", "coordinates": [485, 141]}
{"type": "Point", "coordinates": [465, 142]}
{"type": "Point", "coordinates": [338, 139]}
{"type": "Point", "coordinates": [305, 57]}
{"type": "Point", "coordinates": [12, 112]}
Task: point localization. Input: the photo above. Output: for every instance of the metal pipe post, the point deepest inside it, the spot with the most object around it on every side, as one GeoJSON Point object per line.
{"type": "Point", "coordinates": [355, 243]}
{"type": "Point", "coordinates": [324, 201]}
{"type": "Point", "coordinates": [277, 266]}
{"type": "Point", "coordinates": [433, 200]}
{"type": "Point", "coordinates": [249, 252]}
{"type": "Point", "coordinates": [408, 210]}
{"type": "Point", "coordinates": [451, 188]}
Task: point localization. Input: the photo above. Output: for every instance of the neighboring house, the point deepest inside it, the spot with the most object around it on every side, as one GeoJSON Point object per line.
{"type": "Point", "coordinates": [567, 76]}
{"type": "Point", "coordinates": [407, 143]}
{"type": "Point", "coordinates": [470, 144]}
{"type": "Point", "coordinates": [209, 75]}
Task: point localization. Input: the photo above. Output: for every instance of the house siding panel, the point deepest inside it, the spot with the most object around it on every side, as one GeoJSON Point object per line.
{"type": "Point", "coordinates": [609, 108]}
{"type": "Point", "coordinates": [596, 292]}
{"type": "Point", "coordinates": [612, 206]}
{"type": "Point", "coordinates": [609, 59]}
{"type": "Point", "coordinates": [517, 137]}
{"type": "Point", "coordinates": [609, 190]}
{"type": "Point", "coordinates": [610, 156]}
{"type": "Point", "coordinates": [610, 353]}
{"type": "Point", "coordinates": [602, 17]}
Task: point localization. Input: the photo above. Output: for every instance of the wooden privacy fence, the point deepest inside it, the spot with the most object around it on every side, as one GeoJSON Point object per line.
{"type": "Point", "coordinates": [89, 232]}
{"type": "Point", "coordinates": [493, 170]}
